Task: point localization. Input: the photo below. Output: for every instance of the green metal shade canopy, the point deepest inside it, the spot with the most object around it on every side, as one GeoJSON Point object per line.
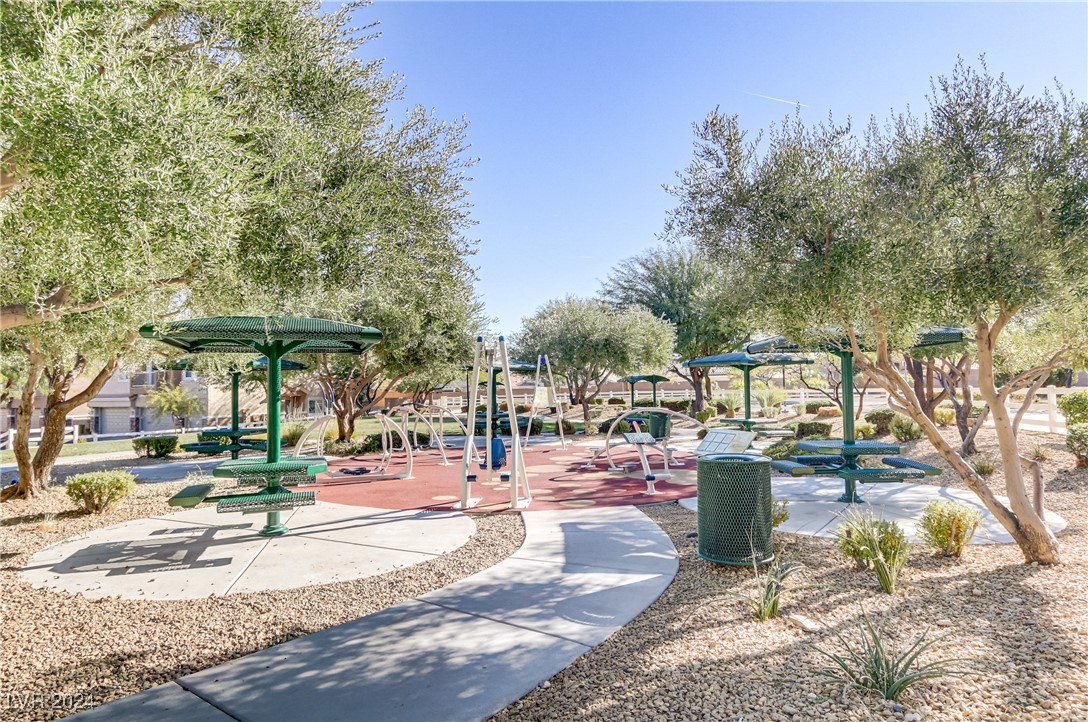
{"type": "Point", "coordinates": [272, 336]}
{"type": "Point", "coordinates": [516, 367]}
{"type": "Point", "coordinates": [654, 380]}
{"type": "Point", "coordinates": [746, 361]}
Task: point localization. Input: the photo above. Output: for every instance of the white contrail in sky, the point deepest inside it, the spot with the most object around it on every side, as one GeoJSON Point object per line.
{"type": "Point", "coordinates": [779, 100]}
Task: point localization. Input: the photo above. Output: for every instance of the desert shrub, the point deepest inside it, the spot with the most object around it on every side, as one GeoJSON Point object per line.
{"type": "Point", "coordinates": [813, 407]}
{"type": "Point", "coordinates": [598, 401]}
{"type": "Point", "coordinates": [704, 415]}
{"type": "Point", "coordinates": [1074, 407]}
{"type": "Point", "coordinates": [1039, 453]}
{"type": "Point", "coordinates": [874, 666]}
{"type": "Point", "coordinates": [864, 430]}
{"type": "Point", "coordinates": [985, 466]}
{"type": "Point", "coordinates": [829, 412]}
{"type": "Point", "coordinates": [874, 544]}
{"type": "Point", "coordinates": [881, 419]}
{"type": "Point", "coordinates": [904, 429]}
{"type": "Point", "coordinates": [765, 603]}
{"type": "Point", "coordinates": [780, 512]}
{"type": "Point", "coordinates": [569, 427]}
{"type": "Point", "coordinates": [948, 526]}
{"type": "Point", "coordinates": [522, 408]}
{"type": "Point", "coordinates": [780, 450]}
{"type": "Point", "coordinates": [481, 407]}
{"type": "Point", "coordinates": [100, 491]}
{"type": "Point", "coordinates": [292, 433]}
{"type": "Point", "coordinates": [944, 417]}
{"type": "Point", "coordinates": [1077, 442]}
{"type": "Point", "coordinates": [680, 405]}
{"type": "Point", "coordinates": [644, 403]}
{"type": "Point", "coordinates": [616, 401]}
{"type": "Point", "coordinates": [728, 403]}
{"type": "Point", "coordinates": [808, 429]}
{"type": "Point", "coordinates": [155, 447]}
{"type": "Point", "coordinates": [622, 427]}
{"type": "Point", "coordinates": [770, 401]}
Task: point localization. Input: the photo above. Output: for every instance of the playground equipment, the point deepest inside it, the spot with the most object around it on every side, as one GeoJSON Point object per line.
{"type": "Point", "coordinates": [495, 358]}
{"type": "Point", "coordinates": [314, 434]}
{"type": "Point", "coordinates": [660, 444]}
{"type": "Point", "coordinates": [545, 397]}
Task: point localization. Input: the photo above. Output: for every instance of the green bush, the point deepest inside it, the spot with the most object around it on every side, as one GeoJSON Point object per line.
{"type": "Point", "coordinates": [704, 415]}
{"type": "Point", "coordinates": [522, 408]}
{"type": "Point", "coordinates": [568, 427]}
{"type": "Point", "coordinates": [1074, 407]}
{"type": "Point", "coordinates": [100, 491]}
{"type": "Point", "coordinates": [813, 407]}
{"type": "Point", "coordinates": [948, 526]}
{"type": "Point", "coordinates": [616, 401]}
{"type": "Point", "coordinates": [944, 417]}
{"type": "Point", "coordinates": [292, 433]}
{"type": "Point", "coordinates": [985, 466]}
{"type": "Point", "coordinates": [864, 431]}
{"type": "Point", "coordinates": [780, 512]}
{"type": "Point", "coordinates": [881, 419]}
{"type": "Point", "coordinates": [1077, 441]}
{"type": "Point", "coordinates": [874, 544]}
{"type": "Point", "coordinates": [622, 427]}
{"type": "Point", "coordinates": [680, 405]}
{"type": "Point", "coordinates": [644, 403]}
{"type": "Point", "coordinates": [904, 429]}
{"type": "Point", "coordinates": [780, 450]}
{"type": "Point", "coordinates": [808, 429]}
{"type": "Point", "coordinates": [598, 401]}
{"type": "Point", "coordinates": [155, 447]}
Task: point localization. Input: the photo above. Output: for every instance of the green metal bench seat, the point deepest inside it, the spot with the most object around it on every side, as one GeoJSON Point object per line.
{"type": "Point", "coordinates": [774, 433]}
{"type": "Point", "coordinates": [877, 476]}
{"type": "Point", "coordinates": [190, 496]}
{"type": "Point", "coordinates": [260, 503]}
{"type": "Point", "coordinates": [899, 463]}
{"type": "Point", "coordinates": [818, 459]}
{"type": "Point", "coordinates": [792, 468]}
{"type": "Point", "coordinates": [207, 447]}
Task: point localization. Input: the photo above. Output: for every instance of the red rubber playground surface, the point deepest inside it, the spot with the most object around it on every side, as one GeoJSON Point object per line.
{"type": "Point", "coordinates": [557, 480]}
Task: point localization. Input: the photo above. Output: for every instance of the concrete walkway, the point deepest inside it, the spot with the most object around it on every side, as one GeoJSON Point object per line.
{"type": "Point", "coordinates": [815, 511]}
{"type": "Point", "coordinates": [463, 652]}
{"type": "Point", "coordinates": [196, 553]}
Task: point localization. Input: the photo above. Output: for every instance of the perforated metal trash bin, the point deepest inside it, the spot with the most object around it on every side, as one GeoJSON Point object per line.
{"type": "Point", "coordinates": [735, 509]}
{"type": "Point", "coordinates": [660, 424]}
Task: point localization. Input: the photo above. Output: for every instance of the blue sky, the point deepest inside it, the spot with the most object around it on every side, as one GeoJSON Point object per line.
{"type": "Point", "coordinates": [580, 111]}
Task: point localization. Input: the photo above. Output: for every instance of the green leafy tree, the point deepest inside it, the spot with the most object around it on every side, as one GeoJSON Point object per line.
{"type": "Point", "coordinates": [177, 402]}
{"type": "Point", "coordinates": [975, 215]}
{"type": "Point", "coordinates": [681, 285]}
{"type": "Point", "coordinates": [166, 158]}
{"type": "Point", "coordinates": [587, 342]}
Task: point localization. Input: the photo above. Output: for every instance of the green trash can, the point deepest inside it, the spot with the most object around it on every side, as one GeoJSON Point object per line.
{"type": "Point", "coordinates": [735, 509]}
{"type": "Point", "coordinates": [660, 424]}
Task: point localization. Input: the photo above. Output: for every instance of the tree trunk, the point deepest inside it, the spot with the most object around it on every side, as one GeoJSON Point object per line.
{"type": "Point", "coordinates": [29, 485]}
{"type": "Point", "coordinates": [709, 388]}
{"type": "Point", "coordinates": [697, 376]}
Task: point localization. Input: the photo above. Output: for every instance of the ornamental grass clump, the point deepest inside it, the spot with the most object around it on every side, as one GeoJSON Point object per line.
{"type": "Point", "coordinates": [874, 666]}
{"type": "Point", "coordinates": [948, 526]}
{"type": "Point", "coordinates": [100, 491]}
{"type": "Point", "coordinates": [874, 544]}
{"type": "Point", "coordinates": [765, 603]}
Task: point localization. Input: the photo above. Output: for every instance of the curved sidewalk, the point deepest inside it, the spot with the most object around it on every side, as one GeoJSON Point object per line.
{"type": "Point", "coordinates": [462, 652]}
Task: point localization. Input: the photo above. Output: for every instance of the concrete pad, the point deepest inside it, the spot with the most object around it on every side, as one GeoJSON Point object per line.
{"type": "Point", "coordinates": [814, 510]}
{"type": "Point", "coordinates": [584, 605]}
{"type": "Point", "coordinates": [414, 661]}
{"type": "Point", "coordinates": [165, 703]}
{"type": "Point", "coordinates": [199, 552]}
{"type": "Point", "coordinates": [605, 519]}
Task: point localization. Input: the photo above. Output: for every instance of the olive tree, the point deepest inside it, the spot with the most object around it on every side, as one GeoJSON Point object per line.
{"type": "Point", "coordinates": [177, 402]}
{"type": "Point", "coordinates": [974, 215]}
{"type": "Point", "coordinates": [587, 342]}
{"type": "Point", "coordinates": [160, 159]}
{"type": "Point", "coordinates": [684, 287]}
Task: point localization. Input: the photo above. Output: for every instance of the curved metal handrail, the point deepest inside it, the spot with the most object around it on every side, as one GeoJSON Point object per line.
{"type": "Point", "coordinates": [443, 412]}
{"type": "Point", "coordinates": [640, 410]}
{"type": "Point", "coordinates": [322, 423]}
{"type": "Point", "coordinates": [388, 427]}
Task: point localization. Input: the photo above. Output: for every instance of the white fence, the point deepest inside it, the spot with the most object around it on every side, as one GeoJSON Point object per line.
{"type": "Point", "coordinates": [7, 439]}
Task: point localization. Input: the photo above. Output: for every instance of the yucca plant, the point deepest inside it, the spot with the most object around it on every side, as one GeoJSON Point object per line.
{"type": "Point", "coordinates": [770, 400]}
{"type": "Point", "coordinates": [877, 668]}
{"type": "Point", "coordinates": [766, 600]}
{"type": "Point", "coordinates": [874, 544]}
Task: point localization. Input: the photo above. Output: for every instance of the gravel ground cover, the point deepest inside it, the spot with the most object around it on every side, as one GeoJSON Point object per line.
{"type": "Point", "coordinates": [62, 652]}
{"type": "Point", "coordinates": [697, 653]}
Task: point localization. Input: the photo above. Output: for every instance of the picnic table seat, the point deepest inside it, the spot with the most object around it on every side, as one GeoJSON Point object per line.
{"type": "Point", "coordinates": [792, 467]}
{"type": "Point", "coordinates": [900, 463]}
{"type": "Point", "coordinates": [210, 448]}
{"type": "Point", "coordinates": [261, 503]}
{"type": "Point", "coordinates": [774, 433]}
{"type": "Point", "coordinates": [818, 459]}
{"type": "Point", "coordinates": [877, 476]}
{"type": "Point", "coordinates": [190, 496]}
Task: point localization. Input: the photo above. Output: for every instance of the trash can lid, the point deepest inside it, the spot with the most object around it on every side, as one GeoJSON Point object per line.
{"type": "Point", "coordinates": [754, 458]}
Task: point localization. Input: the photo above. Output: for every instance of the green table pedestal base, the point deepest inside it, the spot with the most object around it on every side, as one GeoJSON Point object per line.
{"type": "Point", "coordinates": [850, 496]}
{"type": "Point", "coordinates": [273, 526]}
